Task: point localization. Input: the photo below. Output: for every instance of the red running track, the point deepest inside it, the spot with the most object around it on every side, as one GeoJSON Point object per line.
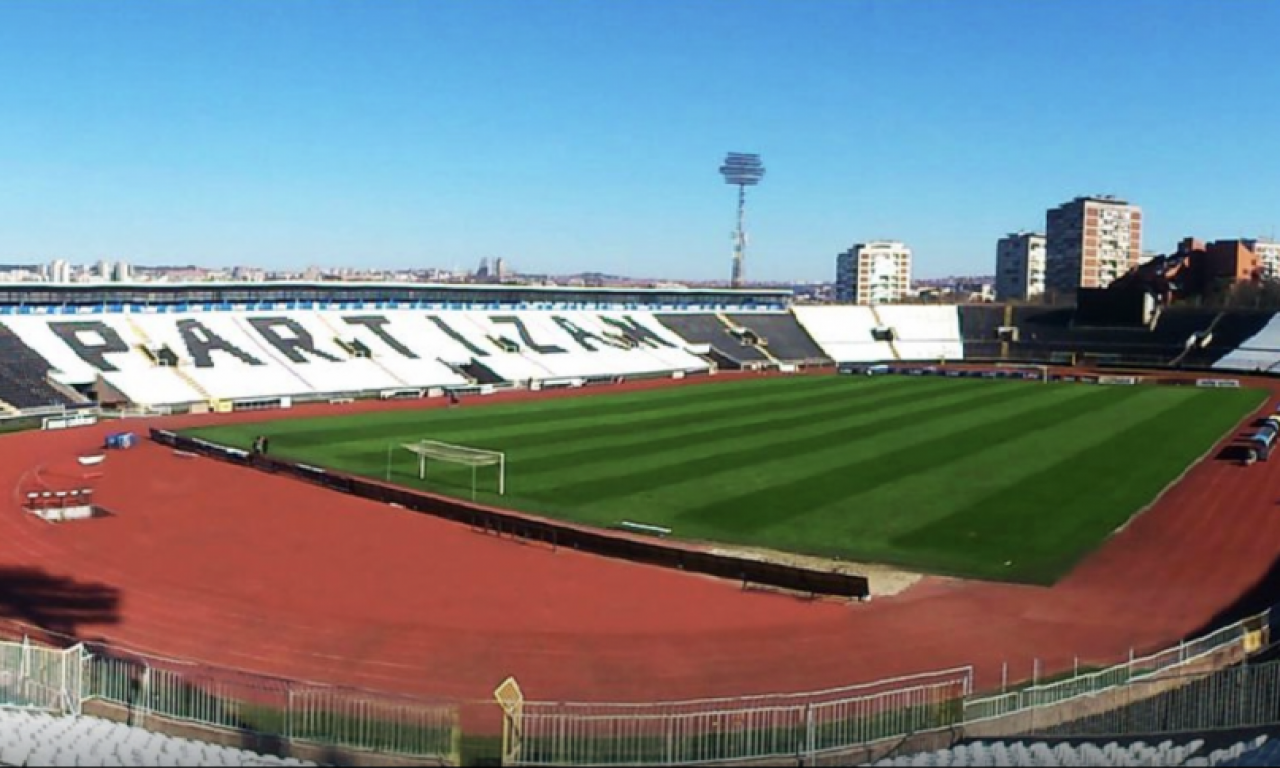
{"type": "Point", "coordinates": [234, 567]}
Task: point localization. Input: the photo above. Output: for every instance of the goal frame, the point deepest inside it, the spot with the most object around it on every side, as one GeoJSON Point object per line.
{"type": "Point", "coordinates": [1042, 370]}
{"type": "Point", "coordinates": [462, 454]}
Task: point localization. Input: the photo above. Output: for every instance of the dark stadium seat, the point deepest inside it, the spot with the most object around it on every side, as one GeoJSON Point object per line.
{"type": "Point", "coordinates": [979, 327]}
{"type": "Point", "coordinates": [24, 375]}
{"type": "Point", "coordinates": [709, 329]}
{"type": "Point", "coordinates": [1047, 334]}
{"type": "Point", "coordinates": [783, 337]}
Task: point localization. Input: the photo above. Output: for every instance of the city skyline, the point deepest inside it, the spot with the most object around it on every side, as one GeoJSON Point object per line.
{"type": "Point", "coordinates": [569, 137]}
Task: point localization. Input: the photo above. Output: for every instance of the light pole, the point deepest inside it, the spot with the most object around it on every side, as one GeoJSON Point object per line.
{"type": "Point", "coordinates": [744, 171]}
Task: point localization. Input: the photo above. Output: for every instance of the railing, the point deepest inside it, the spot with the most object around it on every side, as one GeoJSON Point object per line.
{"type": "Point", "coordinates": [152, 690]}
{"type": "Point", "coordinates": [243, 702]}
{"type": "Point", "coordinates": [36, 677]}
{"type": "Point", "coordinates": [1246, 696]}
{"type": "Point", "coordinates": [56, 411]}
{"type": "Point", "coordinates": [33, 415]}
{"type": "Point", "coordinates": [135, 411]}
{"type": "Point", "coordinates": [806, 727]}
{"type": "Point", "coordinates": [1145, 667]}
{"type": "Point", "coordinates": [738, 729]}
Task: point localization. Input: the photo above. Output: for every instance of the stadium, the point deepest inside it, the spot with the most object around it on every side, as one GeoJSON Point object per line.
{"type": "Point", "coordinates": [345, 523]}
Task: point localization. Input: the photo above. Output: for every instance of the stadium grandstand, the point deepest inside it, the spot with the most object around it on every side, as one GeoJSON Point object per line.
{"type": "Point", "coordinates": [231, 346]}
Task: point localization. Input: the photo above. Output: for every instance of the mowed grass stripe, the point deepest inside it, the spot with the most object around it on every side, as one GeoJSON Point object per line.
{"type": "Point", "coordinates": [469, 419]}
{"type": "Point", "coordinates": [1046, 522]}
{"type": "Point", "coordinates": [986, 469]}
{"type": "Point", "coordinates": [904, 427]}
{"type": "Point", "coordinates": [511, 425]}
{"type": "Point", "coordinates": [588, 421]}
{"type": "Point", "coordinates": [873, 520]}
{"type": "Point", "coordinates": [586, 438]}
{"type": "Point", "coordinates": [578, 449]}
{"type": "Point", "coordinates": [714, 458]}
{"type": "Point", "coordinates": [938, 443]}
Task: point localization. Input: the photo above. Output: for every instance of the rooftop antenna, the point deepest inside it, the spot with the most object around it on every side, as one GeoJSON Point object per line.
{"type": "Point", "coordinates": [744, 171]}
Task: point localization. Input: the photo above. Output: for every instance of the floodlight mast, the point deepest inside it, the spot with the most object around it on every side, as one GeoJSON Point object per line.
{"type": "Point", "coordinates": [742, 170]}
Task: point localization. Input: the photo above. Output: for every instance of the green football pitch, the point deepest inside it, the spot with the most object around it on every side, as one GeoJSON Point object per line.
{"type": "Point", "coordinates": [996, 479]}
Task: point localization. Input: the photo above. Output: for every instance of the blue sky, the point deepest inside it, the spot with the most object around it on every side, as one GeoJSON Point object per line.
{"type": "Point", "coordinates": [586, 134]}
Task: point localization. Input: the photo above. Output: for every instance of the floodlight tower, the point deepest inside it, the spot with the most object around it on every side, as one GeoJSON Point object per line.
{"type": "Point", "coordinates": [744, 171]}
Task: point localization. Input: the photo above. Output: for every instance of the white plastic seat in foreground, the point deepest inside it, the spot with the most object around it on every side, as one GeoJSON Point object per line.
{"type": "Point", "coordinates": [41, 739]}
{"type": "Point", "coordinates": [1039, 753]}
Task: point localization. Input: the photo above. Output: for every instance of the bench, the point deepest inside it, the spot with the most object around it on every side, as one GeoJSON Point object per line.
{"type": "Point", "coordinates": [655, 530]}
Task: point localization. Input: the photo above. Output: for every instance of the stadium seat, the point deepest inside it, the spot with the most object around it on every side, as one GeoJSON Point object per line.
{"type": "Point", "coordinates": [924, 332]}
{"type": "Point", "coordinates": [784, 337]}
{"type": "Point", "coordinates": [702, 328]}
{"type": "Point", "coordinates": [1260, 352]}
{"type": "Point", "coordinates": [37, 738]}
{"type": "Point", "coordinates": [259, 355]}
{"type": "Point", "coordinates": [1169, 752]}
{"type": "Point", "coordinates": [844, 333]}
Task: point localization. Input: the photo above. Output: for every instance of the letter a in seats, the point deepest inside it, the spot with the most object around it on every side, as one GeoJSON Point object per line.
{"type": "Point", "coordinates": [585, 337]}
{"type": "Point", "coordinates": [200, 342]}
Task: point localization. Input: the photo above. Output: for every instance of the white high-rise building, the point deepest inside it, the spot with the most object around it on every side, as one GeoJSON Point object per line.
{"type": "Point", "coordinates": [123, 274]}
{"type": "Point", "coordinates": [1268, 256]}
{"type": "Point", "coordinates": [1091, 241]}
{"type": "Point", "coordinates": [878, 272]}
{"type": "Point", "coordinates": [1020, 266]}
{"type": "Point", "coordinates": [60, 271]}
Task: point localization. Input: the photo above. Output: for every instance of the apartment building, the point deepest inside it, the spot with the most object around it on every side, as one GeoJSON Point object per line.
{"type": "Point", "coordinates": [1268, 252]}
{"type": "Point", "coordinates": [1091, 241]}
{"type": "Point", "coordinates": [1020, 266]}
{"type": "Point", "coordinates": [877, 272]}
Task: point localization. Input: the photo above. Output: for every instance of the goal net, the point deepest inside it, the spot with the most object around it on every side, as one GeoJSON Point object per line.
{"type": "Point", "coordinates": [434, 450]}
{"type": "Point", "coordinates": [1037, 371]}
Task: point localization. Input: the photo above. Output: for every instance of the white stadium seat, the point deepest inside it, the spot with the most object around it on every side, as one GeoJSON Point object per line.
{"type": "Point", "coordinates": [1260, 352]}
{"type": "Point", "coordinates": [36, 738]}
{"type": "Point", "coordinates": [263, 354]}
{"type": "Point", "coordinates": [920, 333]}
{"type": "Point", "coordinates": [844, 333]}
{"type": "Point", "coordinates": [924, 332]}
{"type": "Point", "coordinates": [1082, 753]}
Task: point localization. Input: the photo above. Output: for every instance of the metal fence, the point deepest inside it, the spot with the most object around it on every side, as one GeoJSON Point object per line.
{"type": "Point", "coordinates": [806, 727]}
{"type": "Point", "coordinates": [35, 677]}
{"type": "Point", "coordinates": [748, 728]}
{"type": "Point", "coordinates": [1246, 696]}
{"type": "Point", "coordinates": [36, 417]}
{"type": "Point", "coordinates": [293, 711]}
{"type": "Point", "coordinates": [1137, 668]}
